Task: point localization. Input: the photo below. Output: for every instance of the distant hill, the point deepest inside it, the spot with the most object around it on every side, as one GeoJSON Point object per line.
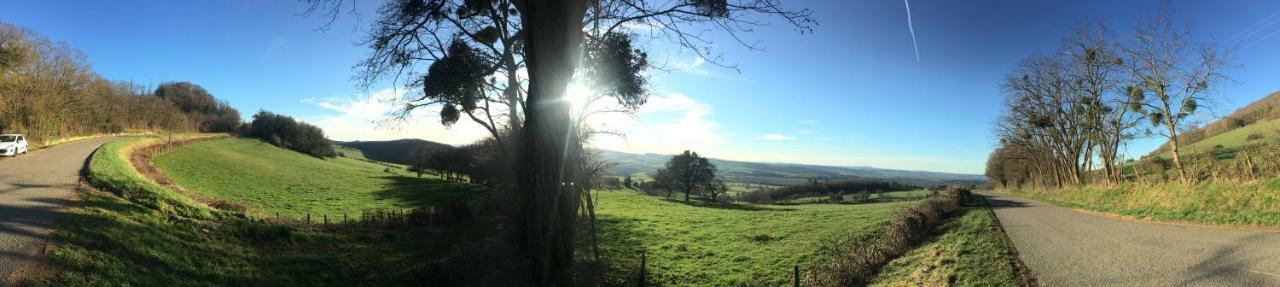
{"type": "Point", "coordinates": [788, 173]}
{"type": "Point", "coordinates": [395, 151]}
{"type": "Point", "coordinates": [1258, 115]}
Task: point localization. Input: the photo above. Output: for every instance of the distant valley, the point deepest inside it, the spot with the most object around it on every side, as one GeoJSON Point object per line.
{"type": "Point", "coordinates": [397, 151]}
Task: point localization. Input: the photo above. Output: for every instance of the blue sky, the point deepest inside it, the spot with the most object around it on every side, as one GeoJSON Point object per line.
{"type": "Point", "coordinates": [852, 93]}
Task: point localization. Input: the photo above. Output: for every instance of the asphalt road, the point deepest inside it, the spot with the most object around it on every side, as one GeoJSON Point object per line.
{"type": "Point", "coordinates": [1065, 247]}
{"type": "Point", "coordinates": [33, 189]}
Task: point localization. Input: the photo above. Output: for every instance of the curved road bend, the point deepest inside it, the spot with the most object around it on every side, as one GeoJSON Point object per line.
{"type": "Point", "coordinates": [33, 189]}
{"type": "Point", "coordinates": [1064, 247]}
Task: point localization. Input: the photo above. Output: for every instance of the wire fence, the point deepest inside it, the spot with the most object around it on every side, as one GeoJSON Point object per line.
{"type": "Point", "coordinates": [377, 219]}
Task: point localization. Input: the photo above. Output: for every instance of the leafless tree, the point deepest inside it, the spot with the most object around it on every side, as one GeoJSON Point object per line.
{"type": "Point", "coordinates": [1172, 77]}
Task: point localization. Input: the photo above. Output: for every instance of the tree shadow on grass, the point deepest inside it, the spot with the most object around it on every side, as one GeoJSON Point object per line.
{"type": "Point", "coordinates": [622, 242]}
{"type": "Point", "coordinates": [426, 193]}
{"type": "Point", "coordinates": [726, 205]}
{"type": "Point", "coordinates": [464, 252]}
{"type": "Point", "coordinates": [110, 241]}
{"type": "Point", "coordinates": [107, 241]}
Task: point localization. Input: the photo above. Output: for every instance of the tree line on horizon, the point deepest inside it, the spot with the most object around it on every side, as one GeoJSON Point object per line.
{"type": "Point", "coordinates": [1070, 114]}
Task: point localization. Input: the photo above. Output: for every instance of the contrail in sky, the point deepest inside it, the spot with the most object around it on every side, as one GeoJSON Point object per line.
{"type": "Point", "coordinates": [913, 30]}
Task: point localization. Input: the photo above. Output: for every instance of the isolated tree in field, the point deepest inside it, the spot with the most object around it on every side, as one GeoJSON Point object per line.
{"type": "Point", "coordinates": [664, 179]}
{"type": "Point", "coordinates": [1172, 77]}
{"type": "Point", "coordinates": [716, 188]}
{"type": "Point", "coordinates": [548, 38]}
{"type": "Point", "coordinates": [687, 172]}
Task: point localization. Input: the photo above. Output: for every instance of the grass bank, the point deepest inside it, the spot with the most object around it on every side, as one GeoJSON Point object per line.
{"type": "Point", "coordinates": [969, 250]}
{"type": "Point", "coordinates": [1234, 203]}
{"type": "Point", "coordinates": [715, 244]}
{"type": "Point", "coordinates": [140, 234]}
{"type": "Point", "coordinates": [272, 180]}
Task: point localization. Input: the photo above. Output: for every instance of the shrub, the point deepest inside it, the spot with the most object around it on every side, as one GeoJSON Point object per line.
{"type": "Point", "coordinates": [1253, 137]}
{"type": "Point", "coordinates": [229, 205]}
{"type": "Point", "coordinates": [821, 188]}
{"type": "Point", "coordinates": [857, 260]}
{"type": "Point", "coordinates": [285, 132]}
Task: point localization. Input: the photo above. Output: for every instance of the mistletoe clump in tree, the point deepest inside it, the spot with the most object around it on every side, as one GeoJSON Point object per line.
{"type": "Point", "coordinates": [530, 52]}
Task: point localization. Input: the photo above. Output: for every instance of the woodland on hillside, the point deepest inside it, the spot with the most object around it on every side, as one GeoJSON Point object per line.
{"type": "Point", "coordinates": [49, 92]}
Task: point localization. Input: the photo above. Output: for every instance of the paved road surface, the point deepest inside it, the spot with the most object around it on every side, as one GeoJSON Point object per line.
{"type": "Point", "coordinates": [33, 188]}
{"type": "Point", "coordinates": [1064, 247]}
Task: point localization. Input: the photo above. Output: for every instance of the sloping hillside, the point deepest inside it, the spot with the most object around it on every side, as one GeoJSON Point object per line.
{"type": "Point", "coordinates": [1259, 133]}
{"type": "Point", "coordinates": [1262, 111]}
{"type": "Point", "coordinates": [396, 151]}
{"type": "Point", "coordinates": [788, 173]}
{"type": "Point", "coordinates": [272, 180]}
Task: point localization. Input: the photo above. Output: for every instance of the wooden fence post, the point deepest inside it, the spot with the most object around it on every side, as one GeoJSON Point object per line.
{"type": "Point", "coordinates": [308, 218]}
{"type": "Point", "coordinates": [643, 258]}
{"type": "Point", "coordinates": [795, 276]}
{"type": "Point", "coordinates": [326, 220]}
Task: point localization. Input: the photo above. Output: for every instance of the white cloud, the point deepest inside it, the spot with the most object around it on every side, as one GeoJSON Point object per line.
{"type": "Point", "coordinates": [776, 137]}
{"type": "Point", "coordinates": [694, 66]}
{"type": "Point", "coordinates": [666, 125]}
{"type": "Point", "coordinates": [806, 132]}
{"type": "Point", "coordinates": [367, 117]}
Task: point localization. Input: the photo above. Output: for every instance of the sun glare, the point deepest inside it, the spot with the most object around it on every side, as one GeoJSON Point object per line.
{"type": "Point", "coordinates": [577, 95]}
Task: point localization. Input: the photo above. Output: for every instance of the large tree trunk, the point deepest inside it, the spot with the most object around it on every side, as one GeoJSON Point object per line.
{"type": "Point", "coordinates": [549, 148]}
{"type": "Point", "coordinates": [1177, 158]}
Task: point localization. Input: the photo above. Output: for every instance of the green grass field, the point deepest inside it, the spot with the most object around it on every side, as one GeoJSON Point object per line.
{"type": "Point", "coordinates": [141, 234]}
{"type": "Point", "coordinates": [1234, 139]}
{"type": "Point", "coordinates": [851, 198]}
{"type": "Point", "coordinates": [969, 251]}
{"type": "Point", "coordinates": [714, 244]}
{"type": "Point", "coordinates": [272, 180]}
{"type": "Point", "coordinates": [178, 241]}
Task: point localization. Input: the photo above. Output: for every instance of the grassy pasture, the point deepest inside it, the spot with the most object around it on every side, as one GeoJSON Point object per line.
{"type": "Point", "coordinates": [968, 251]}
{"type": "Point", "coordinates": [852, 197]}
{"type": "Point", "coordinates": [716, 244]}
{"type": "Point", "coordinates": [272, 180]}
{"type": "Point", "coordinates": [141, 234]}
{"type": "Point", "coordinates": [179, 242]}
{"type": "Point", "coordinates": [1234, 139]}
